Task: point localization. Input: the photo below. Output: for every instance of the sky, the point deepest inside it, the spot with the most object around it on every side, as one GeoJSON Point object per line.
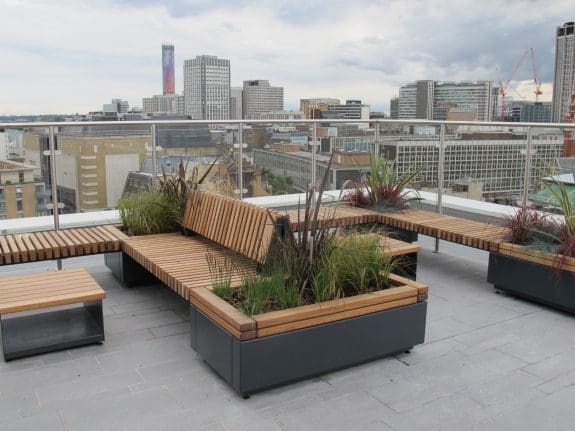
{"type": "Point", "coordinates": [65, 57]}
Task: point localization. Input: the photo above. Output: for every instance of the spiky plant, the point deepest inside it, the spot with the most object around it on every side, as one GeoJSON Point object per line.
{"type": "Point", "coordinates": [382, 188]}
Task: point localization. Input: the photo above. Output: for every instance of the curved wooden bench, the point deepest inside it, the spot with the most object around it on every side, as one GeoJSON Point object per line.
{"type": "Point", "coordinates": [235, 234]}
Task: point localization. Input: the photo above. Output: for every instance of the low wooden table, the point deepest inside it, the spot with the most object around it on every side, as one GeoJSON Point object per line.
{"type": "Point", "coordinates": [31, 334]}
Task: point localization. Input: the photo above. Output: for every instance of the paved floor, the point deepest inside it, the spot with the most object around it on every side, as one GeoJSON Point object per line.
{"type": "Point", "coordinates": [490, 362]}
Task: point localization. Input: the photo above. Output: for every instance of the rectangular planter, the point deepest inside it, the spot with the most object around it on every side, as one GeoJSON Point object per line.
{"type": "Point", "coordinates": [253, 354]}
{"type": "Point", "coordinates": [127, 270]}
{"type": "Point", "coordinates": [534, 281]}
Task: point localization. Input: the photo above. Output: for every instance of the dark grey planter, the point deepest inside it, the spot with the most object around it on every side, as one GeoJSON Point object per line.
{"type": "Point", "coordinates": [254, 365]}
{"type": "Point", "coordinates": [402, 234]}
{"type": "Point", "coordinates": [539, 283]}
{"type": "Point", "coordinates": [127, 270]}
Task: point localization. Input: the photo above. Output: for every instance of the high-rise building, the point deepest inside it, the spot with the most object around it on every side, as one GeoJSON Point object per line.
{"type": "Point", "coordinates": [432, 100]}
{"type": "Point", "coordinates": [168, 71]}
{"type": "Point", "coordinates": [236, 101]}
{"type": "Point", "coordinates": [259, 96]}
{"type": "Point", "coordinates": [564, 81]}
{"type": "Point", "coordinates": [207, 88]}
{"type": "Point", "coordinates": [394, 107]}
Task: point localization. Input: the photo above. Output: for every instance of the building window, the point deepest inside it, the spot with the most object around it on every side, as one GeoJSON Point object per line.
{"type": "Point", "coordinates": [21, 177]}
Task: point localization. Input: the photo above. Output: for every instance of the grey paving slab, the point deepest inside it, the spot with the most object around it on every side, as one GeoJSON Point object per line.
{"type": "Point", "coordinates": [490, 361]}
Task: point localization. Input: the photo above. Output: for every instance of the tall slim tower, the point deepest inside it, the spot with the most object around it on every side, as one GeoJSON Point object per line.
{"type": "Point", "coordinates": [168, 72]}
{"type": "Point", "coordinates": [564, 82]}
{"type": "Point", "coordinates": [207, 88]}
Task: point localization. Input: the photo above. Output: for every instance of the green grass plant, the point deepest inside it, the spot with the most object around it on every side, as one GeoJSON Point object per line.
{"type": "Point", "coordinates": [147, 212]}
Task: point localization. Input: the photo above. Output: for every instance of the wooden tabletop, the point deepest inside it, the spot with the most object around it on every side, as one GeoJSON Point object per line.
{"type": "Point", "coordinates": [48, 289]}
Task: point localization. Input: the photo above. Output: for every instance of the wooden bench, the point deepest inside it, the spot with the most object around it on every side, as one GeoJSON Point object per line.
{"type": "Point", "coordinates": [52, 330]}
{"type": "Point", "coordinates": [454, 229]}
{"type": "Point", "coordinates": [236, 235]}
{"type": "Point", "coordinates": [46, 245]}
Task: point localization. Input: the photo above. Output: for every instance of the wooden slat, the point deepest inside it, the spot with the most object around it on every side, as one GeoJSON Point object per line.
{"type": "Point", "coordinates": [301, 324]}
{"type": "Point", "coordinates": [36, 291]}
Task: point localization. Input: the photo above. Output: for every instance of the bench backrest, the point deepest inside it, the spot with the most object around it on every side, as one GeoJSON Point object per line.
{"type": "Point", "coordinates": [240, 226]}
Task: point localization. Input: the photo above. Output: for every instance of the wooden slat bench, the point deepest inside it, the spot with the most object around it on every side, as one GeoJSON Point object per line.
{"type": "Point", "coordinates": [46, 245]}
{"type": "Point", "coordinates": [233, 232]}
{"type": "Point", "coordinates": [454, 229]}
{"type": "Point", "coordinates": [335, 216]}
{"type": "Point", "coordinates": [51, 330]}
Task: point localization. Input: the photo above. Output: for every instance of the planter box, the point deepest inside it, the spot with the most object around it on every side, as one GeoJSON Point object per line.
{"type": "Point", "coordinates": [127, 270]}
{"type": "Point", "coordinates": [271, 349]}
{"type": "Point", "coordinates": [533, 275]}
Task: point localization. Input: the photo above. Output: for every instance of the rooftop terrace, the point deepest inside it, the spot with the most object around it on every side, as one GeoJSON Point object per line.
{"type": "Point", "coordinates": [489, 362]}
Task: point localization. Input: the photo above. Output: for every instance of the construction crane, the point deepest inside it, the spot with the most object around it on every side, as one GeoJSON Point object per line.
{"type": "Point", "coordinates": [503, 87]}
{"type": "Point", "coordinates": [535, 80]}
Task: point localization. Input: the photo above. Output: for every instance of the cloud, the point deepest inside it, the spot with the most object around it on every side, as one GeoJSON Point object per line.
{"type": "Point", "coordinates": [72, 56]}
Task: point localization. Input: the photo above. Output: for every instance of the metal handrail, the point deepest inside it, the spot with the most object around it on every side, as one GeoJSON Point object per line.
{"type": "Point", "coordinates": [43, 124]}
{"type": "Point", "coordinates": [239, 124]}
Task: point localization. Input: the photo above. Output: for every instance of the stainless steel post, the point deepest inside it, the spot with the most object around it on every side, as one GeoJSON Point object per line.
{"type": "Point", "coordinates": [154, 157]}
{"type": "Point", "coordinates": [376, 146]}
{"type": "Point", "coordinates": [55, 209]}
{"type": "Point", "coordinates": [527, 179]}
{"type": "Point", "coordinates": [440, 175]}
{"type": "Point", "coordinates": [241, 160]}
{"type": "Point", "coordinates": [314, 154]}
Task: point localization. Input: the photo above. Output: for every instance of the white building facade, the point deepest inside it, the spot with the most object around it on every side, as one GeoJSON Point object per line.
{"type": "Point", "coordinates": [564, 82]}
{"type": "Point", "coordinates": [259, 96]}
{"type": "Point", "coordinates": [432, 100]}
{"type": "Point", "coordinates": [207, 88]}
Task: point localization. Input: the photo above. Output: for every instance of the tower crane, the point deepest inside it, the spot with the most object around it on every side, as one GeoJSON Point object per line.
{"type": "Point", "coordinates": [535, 80]}
{"type": "Point", "coordinates": [503, 86]}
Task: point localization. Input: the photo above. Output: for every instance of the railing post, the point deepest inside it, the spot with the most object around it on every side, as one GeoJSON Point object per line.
{"type": "Point", "coordinates": [527, 179]}
{"type": "Point", "coordinates": [376, 146]}
{"type": "Point", "coordinates": [440, 175]}
{"type": "Point", "coordinates": [241, 160]}
{"type": "Point", "coordinates": [55, 208]}
{"type": "Point", "coordinates": [313, 153]}
{"type": "Point", "coordinates": [154, 156]}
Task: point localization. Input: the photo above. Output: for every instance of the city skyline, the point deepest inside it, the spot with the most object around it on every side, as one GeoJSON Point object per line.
{"type": "Point", "coordinates": [68, 57]}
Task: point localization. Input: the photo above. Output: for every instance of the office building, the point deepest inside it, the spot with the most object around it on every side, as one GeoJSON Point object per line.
{"type": "Point", "coordinates": [351, 110]}
{"type": "Point", "coordinates": [394, 107]}
{"type": "Point", "coordinates": [117, 105]}
{"type": "Point", "coordinates": [207, 88]}
{"type": "Point", "coordinates": [168, 70]}
{"type": "Point", "coordinates": [432, 100]}
{"type": "Point", "coordinates": [564, 81]}
{"type": "Point", "coordinates": [259, 96]}
{"type": "Point", "coordinates": [528, 112]}
{"type": "Point", "coordinates": [236, 101]}
{"type": "Point", "coordinates": [495, 159]}
{"type": "Point", "coordinates": [169, 104]}
{"type": "Point", "coordinates": [312, 108]}
{"type": "Point", "coordinates": [278, 115]}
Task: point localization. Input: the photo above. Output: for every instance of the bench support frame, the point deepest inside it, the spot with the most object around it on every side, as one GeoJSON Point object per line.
{"type": "Point", "coordinates": [47, 331]}
{"type": "Point", "coordinates": [127, 270]}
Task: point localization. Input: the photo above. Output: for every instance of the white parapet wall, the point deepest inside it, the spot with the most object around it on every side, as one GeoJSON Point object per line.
{"type": "Point", "coordinates": [34, 224]}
